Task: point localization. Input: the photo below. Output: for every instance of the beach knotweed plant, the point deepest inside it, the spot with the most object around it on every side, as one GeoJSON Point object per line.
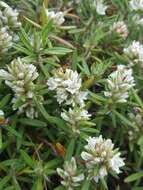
{"type": "Point", "coordinates": [71, 95]}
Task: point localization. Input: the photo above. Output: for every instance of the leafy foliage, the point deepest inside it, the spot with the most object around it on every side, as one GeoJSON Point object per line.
{"type": "Point", "coordinates": [43, 125]}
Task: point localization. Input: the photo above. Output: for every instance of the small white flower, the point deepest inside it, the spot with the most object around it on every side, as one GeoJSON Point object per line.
{"type": "Point", "coordinates": [116, 163]}
{"type": "Point", "coordinates": [136, 5]}
{"type": "Point", "coordinates": [120, 28]}
{"type": "Point", "coordinates": [73, 116]}
{"type": "Point", "coordinates": [135, 53]}
{"type": "Point", "coordinates": [81, 97]}
{"type": "Point", "coordinates": [119, 83]}
{"type": "Point", "coordinates": [100, 157]}
{"type": "Point", "coordinates": [67, 86]}
{"type": "Point", "coordinates": [100, 7]}
{"type": "Point", "coordinates": [71, 177]}
{"type": "Point", "coordinates": [57, 18]}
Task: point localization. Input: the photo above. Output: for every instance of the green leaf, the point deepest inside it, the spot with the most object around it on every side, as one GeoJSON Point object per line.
{"type": "Point", "coordinates": [137, 188]}
{"type": "Point", "coordinates": [5, 101]}
{"type": "Point", "coordinates": [16, 184]}
{"type": "Point", "coordinates": [4, 181]}
{"type": "Point", "coordinates": [25, 39]}
{"type": "Point", "coordinates": [51, 119]}
{"type": "Point", "coordinates": [86, 185]}
{"type": "Point", "coordinates": [57, 51]}
{"type": "Point", "coordinates": [10, 188]}
{"type": "Point", "coordinates": [104, 184]}
{"type": "Point", "coordinates": [52, 164]}
{"type": "Point", "coordinates": [124, 120]}
{"type": "Point", "coordinates": [137, 98]}
{"type": "Point", "coordinates": [89, 130]}
{"type": "Point", "coordinates": [11, 130]}
{"type": "Point", "coordinates": [70, 150]}
{"type": "Point", "coordinates": [45, 32]}
{"type": "Point", "coordinates": [38, 185]}
{"type": "Point", "coordinates": [134, 177]}
{"type": "Point", "coordinates": [32, 122]}
{"type": "Point", "coordinates": [22, 49]}
{"type": "Point", "coordinates": [59, 188]}
{"type": "Point", "coordinates": [27, 158]}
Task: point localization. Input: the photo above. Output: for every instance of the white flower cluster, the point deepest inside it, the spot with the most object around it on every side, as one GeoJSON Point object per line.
{"type": "Point", "coordinates": [9, 17]}
{"type": "Point", "coordinates": [57, 18]}
{"type": "Point", "coordinates": [73, 116]}
{"type": "Point", "coordinates": [119, 83]}
{"type": "Point", "coordinates": [71, 177]}
{"type": "Point", "coordinates": [67, 85]}
{"type": "Point", "coordinates": [100, 158]}
{"type": "Point", "coordinates": [100, 7]}
{"type": "Point", "coordinates": [8, 23]}
{"type": "Point", "coordinates": [120, 28]}
{"type": "Point", "coordinates": [135, 53]}
{"type": "Point", "coordinates": [5, 40]}
{"type": "Point", "coordinates": [19, 78]}
{"type": "Point", "coordinates": [136, 5]}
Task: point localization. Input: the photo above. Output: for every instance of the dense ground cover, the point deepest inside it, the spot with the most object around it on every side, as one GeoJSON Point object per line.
{"type": "Point", "coordinates": [71, 81]}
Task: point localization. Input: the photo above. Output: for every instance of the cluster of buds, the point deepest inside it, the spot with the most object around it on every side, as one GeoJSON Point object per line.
{"type": "Point", "coordinates": [67, 85]}
{"type": "Point", "coordinates": [5, 40]}
{"type": "Point", "coordinates": [100, 158]}
{"type": "Point", "coordinates": [20, 78]}
{"type": "Point", "coordinates": [100, 7]}
{"type": "Point", "coordinates": [136, 5]}
{"type": "Point", "coordinates": [8, 24]}
{"type": "Point", "coordinates": [57, 18]}
{"type": "Point", "coordinates": [136, 117]}
{"type": "Point", "coordinates": [120, 28]}
{"type": "Point", "coordinates": [74, 116]}
{"type": "Point", "coordinates": [119, 83]}
{"type": "Point", "coordinates": [135, 53]}
{"type": "Point", "coordinates": [70, 175]}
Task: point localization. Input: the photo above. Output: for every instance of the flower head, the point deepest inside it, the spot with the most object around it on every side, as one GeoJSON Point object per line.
{"type": "Point", "coordinates": [8, 23]}
{"type": "Point", "coordinates": [119, 83]}
{"type": "Point", "coordinates": [100, 158]}
{"type": "Point", "coordinates": [75, 115]}
{"type": "Point", "coordinates": [135, 53]}
{"type": "Point", "coordinates": [20, 78]}
{"type": "Point", "coordinates": [11, 17]}
{"type": "Point", "coordinates": [120, 28]}
{"type": "Point", "coordinates": [57, 18]}
{"type": "Point", "coordinates": [71, 177]}
{"type": "Point", "coordinates": [100, 7]}
{"type": "Point", "coordinates": [5, 40]}
{"type": "Point", "coordinates": [67, 85]}
{"type": "Point", "coordinates": [136, 5]}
